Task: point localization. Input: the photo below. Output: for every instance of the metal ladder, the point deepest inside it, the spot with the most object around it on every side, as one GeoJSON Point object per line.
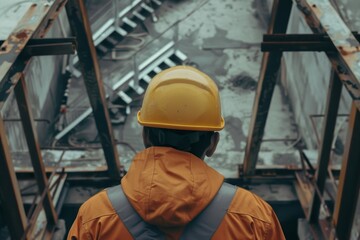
{"type": "Point", "coordinates": [127, 88]}
{"type": "Point", "coordinates": [115, 30]}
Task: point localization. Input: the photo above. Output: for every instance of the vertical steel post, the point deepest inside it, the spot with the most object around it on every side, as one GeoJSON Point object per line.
{"type": "Point", "coordinates": [22, 100]}
{"type": "Point", "coordinates": [268, 75]}
{"type": "Point", "coordinates": [332, 106]}
{"type": "Point", "coordinates": [349, 181]}
{"type": "Point", "coordinates": [80, 26]}
{"type": "Point", "coordinates": [10, 197]}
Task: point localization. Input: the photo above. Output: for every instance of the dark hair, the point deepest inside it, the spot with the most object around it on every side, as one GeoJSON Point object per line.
{"type": "Point", "coordinates": [194, 142]}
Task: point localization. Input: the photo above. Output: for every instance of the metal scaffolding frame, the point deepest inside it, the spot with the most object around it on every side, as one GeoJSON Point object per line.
{"type": "Point", "coordinates": [343, 50]}
{"type": "Point", "coordinates": [80, 27]}
{"type": "Point", "coordinates": [23, 43]}
{"type": "Point", "coordinates": [265, 88]}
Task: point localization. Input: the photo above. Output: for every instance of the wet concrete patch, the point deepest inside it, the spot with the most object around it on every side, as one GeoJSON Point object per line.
{"type": "Point", "coordinates": [211, 62]}
{"type": "Point", "coordinates": [284, 158]}
{"type": "Point", "coordinates": [219, 41]}
{"type": "Point", "coordinates": [243, 81]}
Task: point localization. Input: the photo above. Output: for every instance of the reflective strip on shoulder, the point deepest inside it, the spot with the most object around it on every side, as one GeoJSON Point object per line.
{"type": "Point", "coordinates": [137, 227]}
{"type": "Point", "coordinates": [202, 227]}
{"type": "Point", "coordinates": [207, 222]}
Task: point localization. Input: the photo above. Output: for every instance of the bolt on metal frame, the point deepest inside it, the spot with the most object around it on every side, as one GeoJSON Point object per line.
{"type": "Point", "coordinates": [15, 52]}
{"type": "Point", "coordinates": [344, 55]}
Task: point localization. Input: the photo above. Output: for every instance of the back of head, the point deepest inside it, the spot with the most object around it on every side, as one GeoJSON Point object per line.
{"type": "Point", "coordinates": [181, 109]}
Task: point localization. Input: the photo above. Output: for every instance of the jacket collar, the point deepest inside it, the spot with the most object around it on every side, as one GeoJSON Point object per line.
{"type": "Point", "coordinates": [168, 188]}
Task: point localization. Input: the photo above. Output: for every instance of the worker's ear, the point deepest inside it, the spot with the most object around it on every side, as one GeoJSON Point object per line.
{"type": "Point", "coordinates": [213, 144]}
{"type": "Point", "coordinates": [146, 137]}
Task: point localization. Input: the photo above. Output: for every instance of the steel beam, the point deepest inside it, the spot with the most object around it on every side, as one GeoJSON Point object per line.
{"type": "Point", "coordinates": [309, 46]}
{"type": "Point", "coordinates": [332, 106]}
{"type": "Point", "coordinates": [298, 42]}
{"type": "Point", "coordinates": [323, 18]}
{"type": "Point", "coordinates": [349, 180]}
{"type": "Point", "coordinates": [265, 88]}
{"type": "Point", "coordinates": [10, 197]}
{"type": "Point", "coordinates": [22, 100]}
{"type": "Point", "coordinates": [300, 37]}
{"type": "Point", "coordinates": [49, 46]}
{"type": "Point", "coordinates": [53, 46]}
{"type": "Point", "coordinates": [80, 26]}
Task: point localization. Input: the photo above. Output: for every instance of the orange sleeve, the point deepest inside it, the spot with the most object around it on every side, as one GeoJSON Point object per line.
{"type": "Point", "coordinates": [275, 232]}
{"type": "Point", "coordinates": [97, 219]}
{"type": "Point", "coordinates": [77, 230]}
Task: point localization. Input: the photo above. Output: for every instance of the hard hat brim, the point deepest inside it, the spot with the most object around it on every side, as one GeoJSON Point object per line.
{"type": "Point", "coordinates": [180, 126]}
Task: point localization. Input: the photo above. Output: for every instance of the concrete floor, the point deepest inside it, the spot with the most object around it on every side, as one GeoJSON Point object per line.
{"type": "Point", "coordinates": [221, 38]}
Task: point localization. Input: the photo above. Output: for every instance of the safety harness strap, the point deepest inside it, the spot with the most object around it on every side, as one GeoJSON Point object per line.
{"type": "Point", "coordinates": [138, 228]}
{"type": "Point", "coordinates": [202, 227]}
{"type": "Point", "coordinates": [207, 222]}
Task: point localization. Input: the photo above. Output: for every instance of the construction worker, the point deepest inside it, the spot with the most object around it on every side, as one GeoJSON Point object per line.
{"type": "Point", "coordinates": [169, 192]}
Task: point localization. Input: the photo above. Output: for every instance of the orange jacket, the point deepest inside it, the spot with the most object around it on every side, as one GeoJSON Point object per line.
{"type": "Point", "coordinates": [168, 188]}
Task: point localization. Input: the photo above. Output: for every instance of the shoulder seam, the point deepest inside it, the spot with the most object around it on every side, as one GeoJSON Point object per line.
{"type": "Point", "coordinates": [100, 216]}
{"type": "Point", "coordinates": [246, 214]}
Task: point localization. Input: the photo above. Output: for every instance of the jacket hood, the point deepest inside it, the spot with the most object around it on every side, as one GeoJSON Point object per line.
{"type": "Point", "coordinates": [168, 188]}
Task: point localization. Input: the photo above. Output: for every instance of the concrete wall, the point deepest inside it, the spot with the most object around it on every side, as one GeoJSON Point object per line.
{"type": "Point", "coordinates": [42, 76]}
{"type": "Point", "coordinates": [305, 76]}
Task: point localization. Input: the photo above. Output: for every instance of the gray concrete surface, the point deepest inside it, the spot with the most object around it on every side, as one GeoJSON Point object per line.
{"type": "Point", "coordinates": [42, 78]}
{"type": "Point", "coordinates": [222, 39]}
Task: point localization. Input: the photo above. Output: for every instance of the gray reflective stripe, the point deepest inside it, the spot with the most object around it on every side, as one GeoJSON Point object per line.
{"type": "Point", "coordinates": [202, 227]}
{"type": "Point", "coordinates": [207, 222]}
{"type": "Point", "coordinates": [137, 227]}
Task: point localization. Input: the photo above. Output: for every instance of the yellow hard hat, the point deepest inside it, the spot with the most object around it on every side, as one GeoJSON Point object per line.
{"type": "Point", "coordinates": [182, 98]}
